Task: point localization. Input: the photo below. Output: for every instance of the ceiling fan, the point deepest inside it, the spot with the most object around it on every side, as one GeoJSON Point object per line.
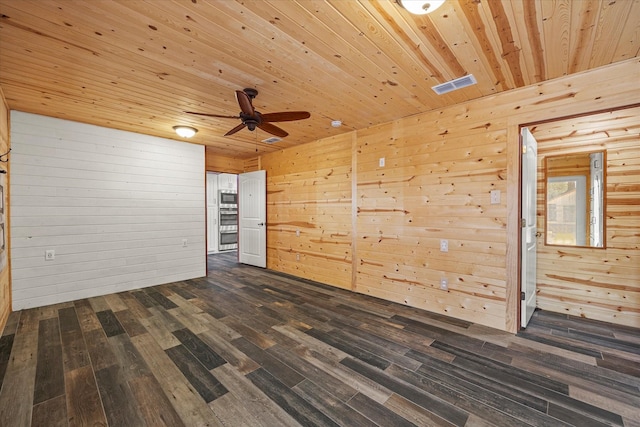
{"type": "Point", "coordinates": [251, 118]}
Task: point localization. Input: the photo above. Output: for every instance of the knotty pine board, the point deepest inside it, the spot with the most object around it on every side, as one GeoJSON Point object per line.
{"type": "Point", "coordinates": [606, 284]}
{"type": "Point", "coordinates": [440, 168]}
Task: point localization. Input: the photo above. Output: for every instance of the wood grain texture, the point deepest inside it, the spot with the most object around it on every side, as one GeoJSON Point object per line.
{"type": "Point", "coordinates": [377, 229]}
{"type": "Point", "coordinates": [606, 286]}
{"type": "Point", "coordinates": [364, 63]}
{"type": "Point", "coordinates": [335, 358]}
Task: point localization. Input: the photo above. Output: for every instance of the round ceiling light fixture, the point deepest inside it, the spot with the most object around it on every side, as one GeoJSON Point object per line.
{"type": "Point", "coordinates": [185, 131]}
{"type": "Point", "coordinates": [420, 7]}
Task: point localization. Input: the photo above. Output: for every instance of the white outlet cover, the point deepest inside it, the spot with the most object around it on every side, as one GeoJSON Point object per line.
{"type": "Point", "coordinates": [444, 245]}
{"type": "Point", "coordinates": [495, 197]}
{"type": "Point", "coordinates": [381, 162]}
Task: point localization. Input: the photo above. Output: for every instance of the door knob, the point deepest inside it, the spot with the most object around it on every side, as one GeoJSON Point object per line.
{"type": "Point", "coordinates": [261, 224]}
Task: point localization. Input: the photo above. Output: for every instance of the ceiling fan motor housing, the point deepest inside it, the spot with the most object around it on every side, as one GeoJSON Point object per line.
{"type": "Point", "coordinates": [251, 92]}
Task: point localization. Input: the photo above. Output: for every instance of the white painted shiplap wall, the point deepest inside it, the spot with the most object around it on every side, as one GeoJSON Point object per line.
{"type": "Point", "coordinates": [115, 207]}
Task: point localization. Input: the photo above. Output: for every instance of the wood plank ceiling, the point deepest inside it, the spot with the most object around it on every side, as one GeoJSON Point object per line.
{"type": "Point", "coordinates": [137, 65]}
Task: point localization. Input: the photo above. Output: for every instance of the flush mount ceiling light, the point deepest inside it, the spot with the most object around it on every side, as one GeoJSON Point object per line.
{"type": "Point", "coordinates": [420, 7]}
{"type": "Point", "coordinates": [185, 131]}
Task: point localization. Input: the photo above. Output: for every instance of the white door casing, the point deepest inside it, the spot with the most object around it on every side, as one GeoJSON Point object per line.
{"type": "Point", "coordinates": [252, 218]}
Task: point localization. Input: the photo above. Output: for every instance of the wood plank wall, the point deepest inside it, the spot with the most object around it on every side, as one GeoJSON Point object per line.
{"type": "Point", "coordinates": [440, 167]}
{"type": "Point", "coordinates": [115, 207]}
{"type": "Point", "coordinates": [5, 271]}
{"type": "Point", "coordinates": [216, 163]}
{"type": "Point", "coordinates": [601, 284]}
{"type": "Point", "coordinates": [309, 210]}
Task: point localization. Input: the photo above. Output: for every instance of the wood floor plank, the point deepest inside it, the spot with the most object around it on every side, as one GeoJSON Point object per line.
{"type": "Point", "coordinates": [110, 323]}
{"type": "Point", "coordinates": [130, 323]}
{"type": "Point", "coordinates": [11, 326]}
{"type": "Point", "coordinates": [301, 410]}
{"type": "Point", "coordinates": [154, 406]}
{"type": "Point", "coordinates": [330, 405]}
{"type": "Point", "coordinates": [207, 385]}
{"type": "Point", "coordinates": [378, 413]}
{"type": "Point", "coordinates": [188, 404]}
{"type": "Point", "coordinates": [339, 389]}
{"type": "Point", "coordinates": [199, 349]}
{"type": "Point", "coordinates": [156, 327]}
{"type": "Point", "coordinates": [74, 348]}
{"type": "Point", "coordinates": [120, 405]}
{"type": "Point", "coordinates": [86, 315]}
{"type": "Point", "coordinates": [83, 399]}
{"type": "Point", "coordinates": [134, 305]}
{"type": "Point", "coordinates": [6, 344]}
{"type": "Point", "coordinates": [50, 413]}
{"type": "Point", "coordinates": [418, 415]}
{"type": "Point", "coordinates": [49, 380]}
{"type": "Point", "coordinates": [285, 374]}
{"type": "Point", "coordinates": [246, 346]}
{"type": "Point", "coordinates": [115, 302]}
{"type": "Point", "coordinates": [434, 404]}
{"type": "Point", "coordinates": [240, 361]}
{"type": "Point", "coordinates": [16, 398]}
{"type": "Point", "coordinates": [100, 351]}
{"type": "Point", "coordinates": [160, 299]}
{"type": "Point", "coordinates": [263, 411]}
{"type": "Point", "coordinates": [350, 348]}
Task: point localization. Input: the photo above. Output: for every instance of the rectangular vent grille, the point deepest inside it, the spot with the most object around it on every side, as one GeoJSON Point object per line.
{"type": "Point", "coordinates": [272, 140]}
{"type": "Point", "coordinates": [455, 84]}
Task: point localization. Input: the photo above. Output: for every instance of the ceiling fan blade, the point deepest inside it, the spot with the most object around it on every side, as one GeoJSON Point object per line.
{"type": "Point", "coordinates": [212, 115]}
{"type": "Point", "coordinates": [285, 116]}
{"type": "Point", "coordinates": [245, 103]}
{"type": "Point", "coordinates": [235, 129]}
{"type": "Point", "coordinates": [273, 129]}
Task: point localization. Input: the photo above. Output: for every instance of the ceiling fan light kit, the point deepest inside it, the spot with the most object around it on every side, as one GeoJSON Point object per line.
{"type": "Point", "coordinates": [185, 131]}
{"type": "Point", "coordinates": [252, 119]}
{"type": "Point", "coordinates": [420, 7]}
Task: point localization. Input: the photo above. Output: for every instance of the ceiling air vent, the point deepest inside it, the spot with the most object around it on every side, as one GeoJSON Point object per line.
{"type": "Point", "coordinates": [272, 140]}
{"type": "Point", "coordinates": [455, 84]}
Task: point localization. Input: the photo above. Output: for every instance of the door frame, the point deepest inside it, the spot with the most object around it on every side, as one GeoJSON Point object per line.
{"type": "Point", "coordinates": [514, 204]}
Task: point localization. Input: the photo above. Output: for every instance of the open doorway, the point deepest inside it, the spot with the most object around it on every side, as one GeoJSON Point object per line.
{"type": "Point", "coordinates": [222, 213]}
{"type": "Point", "coordinates": [588, 270]}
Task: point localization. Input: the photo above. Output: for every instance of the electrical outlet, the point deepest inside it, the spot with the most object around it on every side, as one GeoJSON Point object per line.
{"type": "Point", "coordinates": [49, 255]}
{"type": "Point", "coordinates": [185, 243]}
{"type": "Point", "coordinates": [298, 233]}
{"type": "Point", "coordinates": [297, 257]}
{"type": "Point", "coordinates": [444, 284]}
{"type": "Point", "coordinates": [381, 162]}
{"type": "Point", "coordinates": [444, 245]}
{"type": "Point", "coordinates": [495, 197]}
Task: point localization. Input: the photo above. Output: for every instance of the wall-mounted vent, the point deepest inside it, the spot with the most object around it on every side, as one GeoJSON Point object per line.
{"type": "Point", "coordinates": [455, 84]}
{"type": "Point", "coordinates": [272, 140]}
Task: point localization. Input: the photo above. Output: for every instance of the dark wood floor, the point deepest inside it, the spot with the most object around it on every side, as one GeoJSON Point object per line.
{"type": "Point", "coordinates": [250, 347]}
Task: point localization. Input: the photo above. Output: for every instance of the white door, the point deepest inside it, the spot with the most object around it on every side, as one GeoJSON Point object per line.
{"type": "Point", "coordinates": [212, 212]}
{"type": "Point", "coordinates": [252, 218]}
{"type": "Point", "coordinates": [528, 236]}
